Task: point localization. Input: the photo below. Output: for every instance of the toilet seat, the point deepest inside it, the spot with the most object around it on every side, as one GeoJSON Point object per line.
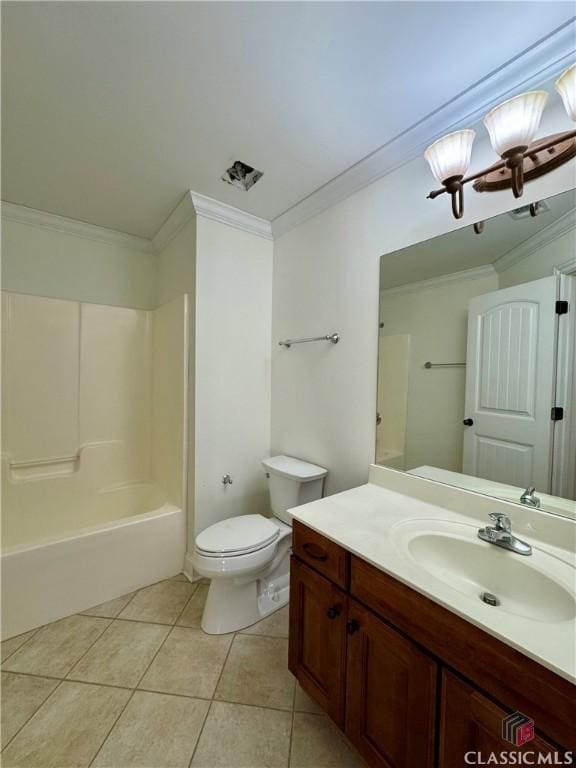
{"type": "Point", "coordinates": [237, 536]}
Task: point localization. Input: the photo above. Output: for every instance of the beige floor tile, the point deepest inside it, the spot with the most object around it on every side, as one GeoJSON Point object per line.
{"type": "Point", "coordinates": [303, 702]}
{"type": "Point", "coordinates": [256, 672]}
{"type": "Point", "coordinates": [192, 614]}
{"type": "Point", "coordinates": [68, 729]}
{"type": "Point", "coordinates": [275, 625]}
{"type": "Point", "coordinates": [21, 697]}
{"type": "Point", "coordinates": [243, 737]}
{"type": "Point", "coordinates": [120, 656]}
{"type": "Point", "coordinates": [55, 648]}
{"type": "Point", "coordinates": [161, 603]}
{"type": "Point", "coordinates": [154, 731]}
{"type": "Point", "coordinates": [110, 609]}
{"type": "Point", "coordinates": [11, 645]}
{"type": "Point", "coordinates": [317, 743]}
{"type": "Point", "coordinates": [189, 663]}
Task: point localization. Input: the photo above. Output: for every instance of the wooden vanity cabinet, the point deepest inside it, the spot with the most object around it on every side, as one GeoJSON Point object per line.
{"type": "Point", "coordinates": [412, 684]}
{"type": "Point", "coordinates": [349, 661]}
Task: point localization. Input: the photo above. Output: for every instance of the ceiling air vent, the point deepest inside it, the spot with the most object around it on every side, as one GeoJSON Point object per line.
{"type": "Point", "coordinates": [241, 175]}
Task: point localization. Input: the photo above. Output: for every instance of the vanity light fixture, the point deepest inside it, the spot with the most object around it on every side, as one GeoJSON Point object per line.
{"type": "Point", "coordinates": [512, 127]}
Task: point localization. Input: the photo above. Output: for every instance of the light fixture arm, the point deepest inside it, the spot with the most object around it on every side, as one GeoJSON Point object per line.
{"type": "Point", "coordinates": [515, 163]}
{"type": "Point", "coordinates": [517, 175]}
{"type": "Point", "coordinates": [454, 188]}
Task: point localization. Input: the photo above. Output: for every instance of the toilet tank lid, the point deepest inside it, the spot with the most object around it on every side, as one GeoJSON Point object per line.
{"type": "Point", "coordinates": [287, 466]}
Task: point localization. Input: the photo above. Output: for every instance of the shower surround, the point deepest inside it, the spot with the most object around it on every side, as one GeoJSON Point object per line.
{"type": "Point", "coordinates": [94, 453]}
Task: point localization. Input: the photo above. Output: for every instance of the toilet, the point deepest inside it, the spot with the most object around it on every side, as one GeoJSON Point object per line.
{"type": "Point", "coordinates": [247, 558]}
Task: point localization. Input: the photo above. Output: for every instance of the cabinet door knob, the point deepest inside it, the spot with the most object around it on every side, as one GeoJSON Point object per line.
{"type": "Point", "coordinates": [352, 626]}
{"type": "Point", "coordinates": [334, 611]}
{"type": "Point", "coordinates": [468, 422]}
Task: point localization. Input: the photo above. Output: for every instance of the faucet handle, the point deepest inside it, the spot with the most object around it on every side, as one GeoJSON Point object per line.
{"type": "Point", "coordinates": [503, 522]}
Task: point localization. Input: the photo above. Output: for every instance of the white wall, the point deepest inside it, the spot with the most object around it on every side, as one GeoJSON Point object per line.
{"type": "Point", "coordinates": [436, 319]}
{"type": "Point", "coordinates": [177, 276]}
{"type": "Point", "coordinates": [46, 262]}
{"type": "Point", "coordinates": [541, 263]}
{"type": "Point", "coordinates": [233, 321]}
{"type": "Point", "coordinates": [177, 264]}
{"type": "Point", "coordinates": [326, 278]}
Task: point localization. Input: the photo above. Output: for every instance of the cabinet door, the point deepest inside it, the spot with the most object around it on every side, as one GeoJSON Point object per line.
{"type": "Point", "coordinates": [318, 638]}
{"type": "Point", "coordinates": [472, 723]}
{"type": "Point", "coordinates": [391, 694]}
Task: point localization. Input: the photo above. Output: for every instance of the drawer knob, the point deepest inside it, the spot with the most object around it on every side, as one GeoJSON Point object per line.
{"type": "Point", "coordinates": [315, 552]}
{"type": "Point", "coordinates": [352, 626]}
{"type": "Point", "coordinates": [334, 611]}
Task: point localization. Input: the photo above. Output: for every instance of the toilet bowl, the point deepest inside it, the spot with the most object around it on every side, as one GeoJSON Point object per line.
{"type": "Point", "coordinates": [247, 558]}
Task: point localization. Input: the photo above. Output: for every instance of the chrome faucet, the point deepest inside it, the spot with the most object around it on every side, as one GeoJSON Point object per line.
{"type": "Point", "coordinates": [529, 498]}
{"type": "Point", "coordinates": [501, 535]}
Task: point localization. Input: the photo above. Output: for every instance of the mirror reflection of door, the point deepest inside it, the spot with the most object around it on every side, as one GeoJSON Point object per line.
{"type": "Point", "coordinates": [510, 376]}
{"type": "Point", "coordinates": [481, 329]}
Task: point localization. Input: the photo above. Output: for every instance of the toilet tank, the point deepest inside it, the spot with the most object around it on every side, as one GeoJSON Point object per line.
{"type": "Point", "coordinates": [292, 482]}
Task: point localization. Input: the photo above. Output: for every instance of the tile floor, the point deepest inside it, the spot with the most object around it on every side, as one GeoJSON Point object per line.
{"type": "Point", "coordinates": [135, 683]}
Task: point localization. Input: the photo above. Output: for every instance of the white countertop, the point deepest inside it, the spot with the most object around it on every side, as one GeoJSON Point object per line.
{"type": "Point", "coordinates": [366, 520]}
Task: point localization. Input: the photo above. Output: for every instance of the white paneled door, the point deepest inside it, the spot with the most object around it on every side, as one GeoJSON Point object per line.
{"type": "Point", "coordinates": [511, 365]}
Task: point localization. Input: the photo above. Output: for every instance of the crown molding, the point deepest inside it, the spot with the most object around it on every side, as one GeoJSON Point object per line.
{"type": "Point", "coordinates": [179, 217]}
{"type": "Point", "coordinates": [567, 267]}
{"type": "Point", "coordinates": [436, 282]}
{"type": "Point", "coordinates": [533, 66]}
{"type": "Point", "coordinates": [552, 232]}
{"type": "Point", "coordinates": [34, 218]}
{"type": "Point", "coordinates": [233, 217]}
{"type": "Point", "coordinates": [194, 204]}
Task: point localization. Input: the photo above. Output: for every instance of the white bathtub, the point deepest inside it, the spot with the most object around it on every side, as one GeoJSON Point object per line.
{"type": "Point", "coordinates": [59, 576]}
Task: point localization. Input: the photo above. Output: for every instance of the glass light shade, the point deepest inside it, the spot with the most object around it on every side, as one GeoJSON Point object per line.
{"type": "Point", "coordinates": [450, 155]}
{"type": "Point", "coordinates": [566, 87]}
{"type": "Point", "coordinates": [514, 122]}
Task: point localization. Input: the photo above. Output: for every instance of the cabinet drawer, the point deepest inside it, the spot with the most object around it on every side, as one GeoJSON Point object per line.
{"type": "Point", "coordinates": [470, 722]}
{"type": "Point", "coordinates": [320, 553]}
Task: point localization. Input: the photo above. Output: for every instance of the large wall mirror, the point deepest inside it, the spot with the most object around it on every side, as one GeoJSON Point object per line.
{"type": "Point", "coordinates": [477, 357]}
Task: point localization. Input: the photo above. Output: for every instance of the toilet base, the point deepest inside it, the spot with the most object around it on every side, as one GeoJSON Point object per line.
{"type": "Point", "coordinates": [236, 604]}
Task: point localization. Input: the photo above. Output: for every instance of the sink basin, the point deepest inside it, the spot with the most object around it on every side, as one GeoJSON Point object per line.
{"type": "Point", "coordinates": [539, 587]}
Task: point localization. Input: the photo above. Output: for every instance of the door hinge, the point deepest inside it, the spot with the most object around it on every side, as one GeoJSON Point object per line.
{"type": "Point", "coordinates": [557, 413]}
{"type": "Point", "coordinates": [561, 307]}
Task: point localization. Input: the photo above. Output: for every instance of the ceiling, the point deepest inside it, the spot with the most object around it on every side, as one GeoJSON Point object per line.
{"type": "Point", "coordinates": [112, 110]}
{"type": "Point", "coordinates": [462, 249]}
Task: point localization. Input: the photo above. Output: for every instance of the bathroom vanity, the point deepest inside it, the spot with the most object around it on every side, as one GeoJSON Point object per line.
{"type": "Point", "coordinates": [402, 653]}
